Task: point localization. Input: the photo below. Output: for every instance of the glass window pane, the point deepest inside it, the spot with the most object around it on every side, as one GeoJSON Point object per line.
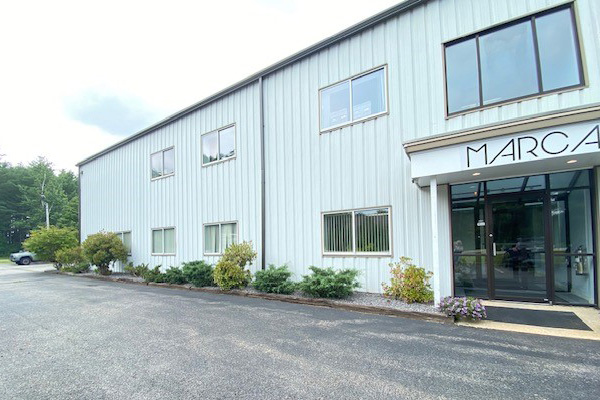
{"type": "Point", "coordinates": [558, 50]}
{"type": "Point", "coordinates": [513, 185]}
{"type": "Point", "coordinates": [210, 147]}
{"type": "Point", "coordinates": [368, 94]}
{"type": "Point", "coordinates": [228, 235]}
{"type": "Point", "coordinates": [168, 161]}
{"type": "Point", "coordinates": [126, 238]}
{"type": "Point", "coordinates": [335, 105]}
{"type": "Point", "coordinates": [337, 232]}
{"type": "Point", "coordinates": [227, 142]}
{"type": "Point", "coordinates": [156, 164]}
{"type": "Point", "coordinates": [574, 279]}
{"type": "Point", "coordinates": [157, 241]}
{"type": "Point", "coordinates": [572, 221]}
{"type": "Point", "coordinates": [170, 241]}
{"type": "Point", "coordinates": [569, 180]}
{"type": "Point", "coordinates": [372, 230]}
{"type": "Point", "coordinates": [508, 64]}
{"type": "Point", "coordinates": [211, 239]}
{"type": "Point", "coordinates": [462, 76]}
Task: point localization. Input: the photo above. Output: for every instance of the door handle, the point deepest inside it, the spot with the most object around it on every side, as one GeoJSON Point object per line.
{"type": "Point", "coordinates": [494, 248]}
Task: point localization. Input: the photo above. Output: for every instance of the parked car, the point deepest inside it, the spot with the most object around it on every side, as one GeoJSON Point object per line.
{"type": "Point", "coordinates": [23, 257]}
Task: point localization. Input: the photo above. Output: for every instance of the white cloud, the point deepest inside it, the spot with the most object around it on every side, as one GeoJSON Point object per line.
{"type": "Point", "coordinates": [164, 56]}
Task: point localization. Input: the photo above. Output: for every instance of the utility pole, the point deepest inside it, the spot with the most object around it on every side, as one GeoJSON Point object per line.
{"type": "Point", "coordinates": [45, 203]}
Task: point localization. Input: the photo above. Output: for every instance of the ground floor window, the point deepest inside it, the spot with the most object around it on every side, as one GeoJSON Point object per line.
{"type": "Point", "coordinates": [163, 241]}
{"type": "Point", "coordinates": [126, 239]}
{"type": "Point", "coordinates": [527, 238]}
{"type": "Point", "coordinates": [357, 232]}
{"type": "Point", "coordinates": [219, 236]}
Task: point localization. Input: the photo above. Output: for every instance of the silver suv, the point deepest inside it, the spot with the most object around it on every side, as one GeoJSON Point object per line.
{"type": "Point", "coordinates": [23, 257]}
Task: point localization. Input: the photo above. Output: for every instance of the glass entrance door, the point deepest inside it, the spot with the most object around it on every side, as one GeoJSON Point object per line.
{"type": "Point", "coordinates": [517, 251]}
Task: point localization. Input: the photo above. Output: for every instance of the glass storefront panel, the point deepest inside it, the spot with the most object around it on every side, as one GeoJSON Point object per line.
{"type": "Point", "coordinates": [525, 238]}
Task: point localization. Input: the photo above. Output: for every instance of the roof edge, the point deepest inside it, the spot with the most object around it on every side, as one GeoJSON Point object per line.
{"type": "Point", "coordinates": [356, 28]}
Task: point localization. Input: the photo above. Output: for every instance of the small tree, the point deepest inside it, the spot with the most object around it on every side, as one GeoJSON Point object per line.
{"type": "Point", "coordinates": [103, 248]}
{"type": "Point", "coordinates": [229, 272]}
{"type": "Point", "coordinates": [45, 242]}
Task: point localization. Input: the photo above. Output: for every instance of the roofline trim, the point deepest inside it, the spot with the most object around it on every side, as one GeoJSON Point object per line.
{"type": "Point", "coordinates": [352, 30]}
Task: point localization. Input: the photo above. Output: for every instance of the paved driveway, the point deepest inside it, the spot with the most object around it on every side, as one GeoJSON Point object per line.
{"type": "Point", "coordinates": [74, 338]}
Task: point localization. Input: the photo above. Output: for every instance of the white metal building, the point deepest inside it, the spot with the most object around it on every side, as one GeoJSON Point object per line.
{"type": "Point", "coordinates": [460, 133]}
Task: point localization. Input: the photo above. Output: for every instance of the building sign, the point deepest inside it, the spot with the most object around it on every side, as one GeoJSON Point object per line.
{"type": "Point", "coordinates": [564, 141]}
{"type": "Point", "coordinates": [530, 147]}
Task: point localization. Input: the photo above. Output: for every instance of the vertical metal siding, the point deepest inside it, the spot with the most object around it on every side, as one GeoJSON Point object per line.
{"type": "Point", "coordinates": [307, 173]}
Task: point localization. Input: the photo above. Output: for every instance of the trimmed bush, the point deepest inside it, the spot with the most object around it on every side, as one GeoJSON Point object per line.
{"type": "Point", "coordinates": [102, 249]}
{"type": "Point", "coordinates": [463, 307]}
{"type": "Point", "coordinates": [139, 270]}
{"type": "Point", "coordinates": [328, 283]}
{"type": "Point", "coordinates": [175, 276]}
{"type": "Point", "coordinates": [71, 260]}
{"type": "Point", "coordinates": [408, 283]}
{"type": "Point", "coordinates": [274, 280]}
{"type": "Point", "coordinates": [198, 273]}
{"type": "Point", "coordinates": [154, 275]}
{"type": "Point", "coordinates": [229, 272]}
{"type": "Point", "coordinates": [45, 242]}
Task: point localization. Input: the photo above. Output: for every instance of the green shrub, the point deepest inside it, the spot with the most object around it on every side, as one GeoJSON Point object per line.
{"type": "Point", "coordinates": [229, 272]}
{"type": "Point", "coordinates": [198, 273]}
{"type": "Point", "coordinates": [154, 275]}
{"type": "Point", "coordinates": [328, 283]}
{"type": "Point", "coordinates": [138, 270]}
{"type": "Point", "coordinates": [103, 248]}
{"type": "Point", "coordinates": [408, 282]}
{"type": "Point", "coordinates": [274, 280]}
{"type": "Point", "coordinates": [71, 260]}
{"type": "Point", "coordinates": [175, 276]}
{"type": "Point", "coordinates": [45, 242]}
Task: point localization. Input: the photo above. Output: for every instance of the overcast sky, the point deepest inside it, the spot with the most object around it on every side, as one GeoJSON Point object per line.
{"type": "Point", "coordinates": [77, 76]}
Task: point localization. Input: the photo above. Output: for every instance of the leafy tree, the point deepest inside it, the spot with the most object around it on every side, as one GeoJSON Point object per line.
{"type": "Point", "coordinates": [45, 242]}
{"type": "Point", "coordinates": [103, 249]}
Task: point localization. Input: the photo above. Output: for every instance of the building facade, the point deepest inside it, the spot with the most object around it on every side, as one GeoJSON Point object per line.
{"type": "Point", "coordinates": [463, 134]}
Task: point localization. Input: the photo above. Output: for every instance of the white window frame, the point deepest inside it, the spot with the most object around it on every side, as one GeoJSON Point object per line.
{"type": "Point", "coordinates": [355, 253]}
{"type": "Point", "coordinates": [219, 160]}
{"type": "Point", "coordinates": [237, 234]}
{"type": "Point", "coordinates": [349, 80]}
{"type": "Point", "coordinates": [163, 240]}
{"type": "Point", "coordinates": [120, 235]}
{"type": "Point", "coordinates": [162, 161]}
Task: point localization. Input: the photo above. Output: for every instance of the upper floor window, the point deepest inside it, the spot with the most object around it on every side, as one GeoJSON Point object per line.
{"type": "Point", "coordinates": [126, 239]}
{"type": "Point", "coordinates": [531, 56]}
{"type": "Point", "coordinates": [357, 232]}
{"type": "Point", "coordinates": [163, 163]}
{"type": "Point", "coordinates": [163, 241]}
{"type": "Point", "coordinates": [354, 99]}
{"type": "Point", "coordinates": [218, 145]}
{"type": "Point", "coordinates": [219, 236]}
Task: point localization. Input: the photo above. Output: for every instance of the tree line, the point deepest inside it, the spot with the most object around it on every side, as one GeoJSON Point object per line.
{"type": "Point", "coordinates": [24, 190]}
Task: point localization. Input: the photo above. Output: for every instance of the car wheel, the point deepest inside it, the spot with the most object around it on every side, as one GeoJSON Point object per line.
{"type": "Point", "coordinates": [25, 261]}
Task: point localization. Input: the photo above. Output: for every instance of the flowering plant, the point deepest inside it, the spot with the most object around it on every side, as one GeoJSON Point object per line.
{"type": "Point", "coordinates": [463, 307]}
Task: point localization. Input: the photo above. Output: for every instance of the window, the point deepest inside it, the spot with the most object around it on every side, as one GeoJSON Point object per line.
{"type": "Point", "coordinates": [531, 56]}
{"type": "Point", "coordinates": [163, 163]}
{"type": "Point", "coordinates": [217, 237]}
{"type": "Point", "coordinates": [163, 241]}
{"type": "Point", "coordinates": [218, 145]}
{"type": "Point", "coordinates": [359, 232]}
{"type": "Point", "coordinates": [126, 239]}
{"type": "Point", "coordinates": [354, 99]}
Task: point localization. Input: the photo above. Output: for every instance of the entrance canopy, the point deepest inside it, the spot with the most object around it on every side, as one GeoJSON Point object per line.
{"type": "Point", "coordinates": [543, 150]}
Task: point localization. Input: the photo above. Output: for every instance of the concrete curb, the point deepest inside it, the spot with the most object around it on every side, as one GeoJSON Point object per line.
{"type": "Point", "coordinates": [278, 297]}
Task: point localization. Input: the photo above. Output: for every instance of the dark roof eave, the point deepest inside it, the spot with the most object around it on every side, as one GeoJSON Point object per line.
{"type": "Point", "coordinates": [365, 24]}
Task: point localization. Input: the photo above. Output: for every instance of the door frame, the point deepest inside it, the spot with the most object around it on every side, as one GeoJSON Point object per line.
{"type": "Point", "coordinates": [548, 261]}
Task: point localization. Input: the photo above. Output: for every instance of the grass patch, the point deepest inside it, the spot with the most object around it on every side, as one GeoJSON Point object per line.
{"type": "Point", "coordinates": [5, 261]}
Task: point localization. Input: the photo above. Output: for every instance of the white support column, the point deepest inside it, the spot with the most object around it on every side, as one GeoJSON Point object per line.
{"type": "Point", "coordinates": [435, 250]}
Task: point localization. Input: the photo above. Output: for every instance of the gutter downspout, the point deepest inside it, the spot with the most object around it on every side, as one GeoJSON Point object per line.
{"type": "Point", "coordinates": [261, 121]}
{"type": "Point", "coordinates": [79, 205]}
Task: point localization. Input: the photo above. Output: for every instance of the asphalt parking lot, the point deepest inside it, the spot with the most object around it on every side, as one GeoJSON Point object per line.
{"type": "Point", "coordinates": [65, 337]}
